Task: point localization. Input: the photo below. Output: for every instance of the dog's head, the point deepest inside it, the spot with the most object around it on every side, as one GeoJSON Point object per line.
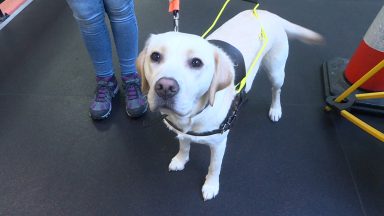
{"type": "Point", "coordinates": [179, 70]}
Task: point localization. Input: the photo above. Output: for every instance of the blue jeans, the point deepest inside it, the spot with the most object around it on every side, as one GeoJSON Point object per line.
{"type": "Point", "coordinates": [90, 16]}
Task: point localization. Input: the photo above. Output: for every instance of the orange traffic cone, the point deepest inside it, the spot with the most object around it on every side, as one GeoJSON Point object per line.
{"type": "Point", "coordinates": [369, 53]}
{"type": "Point", "coordinates": [340, 73]}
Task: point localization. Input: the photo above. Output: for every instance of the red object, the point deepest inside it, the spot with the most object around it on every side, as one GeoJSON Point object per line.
{"type": "Point", "coordinates": [369, 53]}
{"type": "Point", "coordinates": [174, 5]}
{"type": "Point", "coordinates": [9, 6]}
{"type": "Point", "coordinates": [364, 59]}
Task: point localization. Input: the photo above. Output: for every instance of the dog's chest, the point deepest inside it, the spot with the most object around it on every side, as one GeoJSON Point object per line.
{"type": "Point", "coordinates": [196, 125]}
{"type": "Point", "coordinates": [208, 140]}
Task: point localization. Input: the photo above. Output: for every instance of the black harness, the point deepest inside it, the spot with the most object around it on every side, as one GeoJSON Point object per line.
{"type": "Point", "coordinates": [240, 98]}
{"type": "Point", "coordinates": [236, 57]}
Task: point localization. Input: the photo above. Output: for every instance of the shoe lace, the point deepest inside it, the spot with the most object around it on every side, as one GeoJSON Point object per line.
{"type": "Point", "coordinates": [103, 93]}
{"type": "Point", "coordinates": [132, 90]}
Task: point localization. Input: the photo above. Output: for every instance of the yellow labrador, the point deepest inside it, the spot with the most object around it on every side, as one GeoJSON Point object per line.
{"type": "Point", "coordinates": [192, 81]}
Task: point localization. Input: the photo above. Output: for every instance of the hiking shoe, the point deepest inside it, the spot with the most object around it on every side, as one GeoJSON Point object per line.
{"type": "Point", "coordinates": [135, 102]}
{"type": "Point", "coordinates": [101, 105]}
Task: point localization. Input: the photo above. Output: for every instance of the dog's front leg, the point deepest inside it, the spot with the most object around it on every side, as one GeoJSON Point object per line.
{"type": "Point", "coordinates": [211, 185]}
{"type": "Point", "coordinates": [182, 157]}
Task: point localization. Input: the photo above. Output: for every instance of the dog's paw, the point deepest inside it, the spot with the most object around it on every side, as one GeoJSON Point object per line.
{"type": "Point", "coordinates": [177, 164]}
{"type": "Point", "coordinates": [210, 189]}
{"type": "Point", "coordinates": [275, 114]}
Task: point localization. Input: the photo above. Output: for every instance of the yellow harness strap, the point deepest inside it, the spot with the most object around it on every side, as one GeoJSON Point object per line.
{"type": "Point", "coordinates": [262, 36]}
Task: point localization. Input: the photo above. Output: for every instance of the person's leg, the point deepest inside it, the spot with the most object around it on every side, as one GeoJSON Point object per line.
{"type": "Point", "coordinates": [90, 16]}
{"type": "Point", "coordinates": [125, 32]}
{"type": "Point", "coordinates": [124, 26]}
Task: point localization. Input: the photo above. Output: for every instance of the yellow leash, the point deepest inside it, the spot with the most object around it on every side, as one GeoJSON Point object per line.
{"type": "Point", "coordinates": [262, 36]}
{"type": "Point", "coordinates": [217, 18]}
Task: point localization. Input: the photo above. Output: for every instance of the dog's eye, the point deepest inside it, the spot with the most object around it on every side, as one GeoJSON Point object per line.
{"type": "Point", "coordinates": [155, 57]}
{"type": "Point", "coordinates": [196, 63]}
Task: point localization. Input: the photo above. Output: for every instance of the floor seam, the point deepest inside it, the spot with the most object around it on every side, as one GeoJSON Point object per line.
{"type": "Point", "coordinates": [350, 170]}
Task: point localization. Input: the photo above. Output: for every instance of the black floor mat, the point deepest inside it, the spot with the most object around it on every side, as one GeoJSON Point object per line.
{"type": "Point", "coordinates": [54, 160]}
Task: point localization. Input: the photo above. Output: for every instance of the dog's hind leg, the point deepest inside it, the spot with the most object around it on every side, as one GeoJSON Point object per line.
{"type": "Point", "coordinates": [182, 157]}
{"type": "Point", "coordinates": [274, 62]}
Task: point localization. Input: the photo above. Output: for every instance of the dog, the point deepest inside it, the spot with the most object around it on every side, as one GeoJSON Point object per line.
{"type": "Point", "coordinates": [191, 81]}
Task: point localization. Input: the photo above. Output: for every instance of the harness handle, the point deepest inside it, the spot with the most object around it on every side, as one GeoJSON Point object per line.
{"type": "Point", "coordinates": [174, 8]}
{"type": "Point", "coordinates": [174, 5]}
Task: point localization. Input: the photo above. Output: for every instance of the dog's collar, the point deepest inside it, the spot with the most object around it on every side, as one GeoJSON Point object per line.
{"type": "Point", "coordinates": [239, 99]}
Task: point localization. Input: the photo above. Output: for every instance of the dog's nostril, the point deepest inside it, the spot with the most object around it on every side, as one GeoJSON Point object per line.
{"type": "Point", "coordinates": [159, 87]}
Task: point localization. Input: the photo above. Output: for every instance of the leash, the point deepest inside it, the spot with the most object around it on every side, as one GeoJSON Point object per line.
{"type": "Point", "coordinates": [174, 8]}
{"type": "Point", "coordinates": [262, 36]}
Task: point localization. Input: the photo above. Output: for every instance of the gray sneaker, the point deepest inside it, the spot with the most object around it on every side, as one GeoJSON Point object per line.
{"type": "Point", "coordinates": [135, 102]}
{"type": "Point", "coordinates": [101, 105]}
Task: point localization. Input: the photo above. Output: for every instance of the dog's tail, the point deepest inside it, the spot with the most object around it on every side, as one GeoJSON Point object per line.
{"type": "Point", "coordinates": [305, 35]}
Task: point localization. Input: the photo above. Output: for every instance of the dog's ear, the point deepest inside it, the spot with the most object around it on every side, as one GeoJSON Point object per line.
{"type": "Point", "coordinates": [140, 62]}
{"type": "Point", "coordinates": [222, 76]}
{"type": "Point", "coordinates": [140, 68]}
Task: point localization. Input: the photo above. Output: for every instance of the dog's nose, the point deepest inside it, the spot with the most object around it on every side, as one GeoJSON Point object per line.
{"type": "Point", "coordinates": [166, 87]}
